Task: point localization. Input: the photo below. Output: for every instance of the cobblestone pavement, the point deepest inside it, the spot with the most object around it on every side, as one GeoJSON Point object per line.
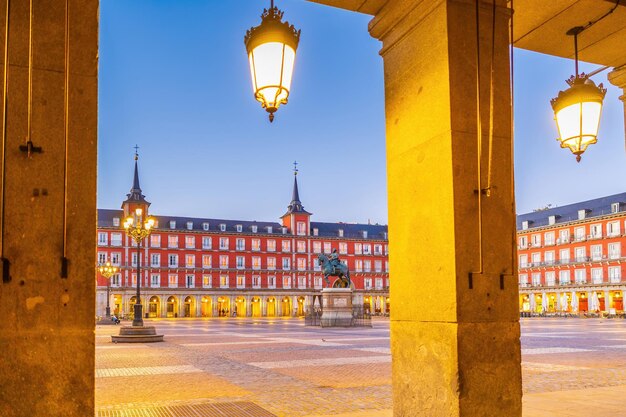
{"type": "Point", "coordinates": [262, 367]}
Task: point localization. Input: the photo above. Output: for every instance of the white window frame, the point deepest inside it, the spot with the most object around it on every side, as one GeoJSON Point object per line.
{"type": "Point", "coordinates": [224, 281]}
{"type": "Point", "coordinates": [207, 281]}
{"type": "Point", "coordinates": [172, 280]}
{"type": "Point", "coordinates": [271, 281]}
{"type": "Point", "coordinates": [190, 281]}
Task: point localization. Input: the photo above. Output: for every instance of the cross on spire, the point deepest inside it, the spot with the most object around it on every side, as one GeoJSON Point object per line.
{"type": "Point", "coordinates": [136, 152]}
{"type": "Point", "coordinates": [295, 168]}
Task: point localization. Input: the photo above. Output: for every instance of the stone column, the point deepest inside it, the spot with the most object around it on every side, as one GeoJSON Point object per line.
{"type": "Point", "coordinates": [617, 77]}
{"type": "Point", "coordinates": [248, 301]}
{"type": "Point", "coordinates": [607, 301]}
{"type": "Point", "coordinates": [455, 336]}
{"type": "Point", "coordinates": [48, 314]}
{"type": "Point", "coordinates": [263, 306]}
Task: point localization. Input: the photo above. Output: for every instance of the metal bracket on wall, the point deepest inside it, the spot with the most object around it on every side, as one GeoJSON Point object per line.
{"type": "Point", "coordinates": [6, 276]}
{"type": "Point", "coordinates": [471, 279]}
{"type": "Point", "coordinates": [30, 149]}
{"type": "Point", "coordinates": [64, 266]}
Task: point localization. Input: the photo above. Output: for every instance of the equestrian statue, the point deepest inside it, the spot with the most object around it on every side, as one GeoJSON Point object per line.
{"type": "Point", "coordinates": [331, 266]}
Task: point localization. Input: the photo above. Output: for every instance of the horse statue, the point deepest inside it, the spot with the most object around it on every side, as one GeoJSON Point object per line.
{"type": "Point", "coordinates": [338, 270]}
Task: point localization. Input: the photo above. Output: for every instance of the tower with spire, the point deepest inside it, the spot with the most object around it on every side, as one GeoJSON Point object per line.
{"type": "Point", "coordinates": [135, 199]}
{"type": "Point", "coordinates": [297, 220]}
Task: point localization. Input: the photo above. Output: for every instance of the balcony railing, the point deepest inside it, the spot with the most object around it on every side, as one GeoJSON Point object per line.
{"type": "Point", "coordinates": [592, 282]}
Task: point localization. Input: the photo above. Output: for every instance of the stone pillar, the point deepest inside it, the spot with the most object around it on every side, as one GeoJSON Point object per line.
{"type": "Point", "coordinates": [607, 301]}
{"type": "Point", "coordinates": [248, 301]}
{"type": "Point", "coordinates": [48, 314]}
{"type": "Point", "coordinates": [455, 336]}
{"type": "Point", "coordinates": [617, 77]}
{"type": "Point", "coordinates": [263, 306]}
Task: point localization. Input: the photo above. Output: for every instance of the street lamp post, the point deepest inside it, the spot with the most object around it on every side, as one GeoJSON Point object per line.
{"type": "Point", "coordinates": [138, 227]}
{"type": "Point", "coordinates": [107, 271]}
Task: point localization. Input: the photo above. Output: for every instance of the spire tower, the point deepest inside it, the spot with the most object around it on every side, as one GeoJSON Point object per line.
{"type": "Point", "coordinates": [135, 199]}
{"type": "Point", "coordinates": [296, 216]}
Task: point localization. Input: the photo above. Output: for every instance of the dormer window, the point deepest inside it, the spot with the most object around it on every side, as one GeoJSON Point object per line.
{"type": "Point", "coordinates": [253, 228]}
{"type": "Point", "coordinates": [551, 220]}
{"type": "Point", "coordinates": [385, 234]}
{"type": "Point", "coordinates": [340, 232]}
{"type": "Point", "coordinates": [364, 232]}
{"type": "Point", "coordinates": [239, 228]}
{"type": "Point", "coordinates": [172, 224]}
{"type": "Point", "coordinates": [614, 208]}
{"type": "Point", "coordinates": [205, 226]}
{"type": "Point", "coordinates": [189, 225]}
{"type": "Point", "coordinates": [269, 229]}
{"type": "Point", "coordinates": [582, 214]}
{"type": "Point", "coordinates": [222, 227]}
{"type": "Point", "coordinates": [316, 231]}
{"type": "Point", "coordinates": [284, 230]}
{"type": "Point", "coordinates": [525, 225]}
{"type": "Point", "coordinates": [116, 221]}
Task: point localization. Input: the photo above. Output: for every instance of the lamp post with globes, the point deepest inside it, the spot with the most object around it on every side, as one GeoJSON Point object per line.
{"type": "Point", "coordinates": [107, 271]}
{"type": "Point", "coordinates": [138, 226]}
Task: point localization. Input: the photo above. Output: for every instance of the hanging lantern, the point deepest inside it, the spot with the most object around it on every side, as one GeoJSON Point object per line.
{"type": "Point", "coordinates": [577, 113]}
{"type": "Point", "coordinates": [577, 110]}
{"type": "Point", "coordinates": [271, 48]}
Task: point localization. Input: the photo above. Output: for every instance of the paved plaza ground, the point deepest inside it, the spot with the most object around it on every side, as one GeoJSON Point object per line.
{"type": "Point", "coordinates": [237, 367]}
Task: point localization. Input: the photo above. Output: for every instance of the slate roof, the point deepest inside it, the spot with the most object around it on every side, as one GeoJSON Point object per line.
{"type": "Point", "coordinates": [135, 195]}
{"type": "Point", "coordinates": [350, 230]}
{"type": "Point", "coordinates": [295, 206]}
{"type": "Point", "coordinates": [595, 208]}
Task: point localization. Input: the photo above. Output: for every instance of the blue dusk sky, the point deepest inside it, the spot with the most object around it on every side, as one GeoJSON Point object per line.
{"type": "Point", "coordinates": [174, 79]}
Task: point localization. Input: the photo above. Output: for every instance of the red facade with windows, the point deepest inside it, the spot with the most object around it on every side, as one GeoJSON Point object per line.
{"type": "Point", "coordinates": [574, 252]}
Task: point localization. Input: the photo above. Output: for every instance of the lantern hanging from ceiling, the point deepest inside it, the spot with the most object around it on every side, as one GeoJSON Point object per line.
{"type": "Point", "coordinates": [271, 48]}
{"type": "Point", "coordinates": [577, 110]}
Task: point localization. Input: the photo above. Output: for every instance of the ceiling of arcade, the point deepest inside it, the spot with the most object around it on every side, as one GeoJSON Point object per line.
{"type": "Point", "coordinates": [541, 26]}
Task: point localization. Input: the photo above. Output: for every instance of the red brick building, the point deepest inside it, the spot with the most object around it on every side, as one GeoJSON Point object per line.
{"type": "Point", "coordinates": [570, 258]}
{"type": "Point", "coordinates": [205, 267]}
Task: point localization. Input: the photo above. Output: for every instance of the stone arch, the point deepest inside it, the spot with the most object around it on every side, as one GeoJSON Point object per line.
{"type": "Point", "coordinates": [171, 307]}
{"type": "Point", "coordinates": [154, 306]}
{"type": "Point", "coordinates": [206, 306]}
{"type": "Point", "coordinates": [189, 306]}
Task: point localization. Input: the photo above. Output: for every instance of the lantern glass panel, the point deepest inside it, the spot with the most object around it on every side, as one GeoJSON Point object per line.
{"type": "Point", "coordinates": [584, 115]}
{"type": "Point", "coordinates": [271, 66]}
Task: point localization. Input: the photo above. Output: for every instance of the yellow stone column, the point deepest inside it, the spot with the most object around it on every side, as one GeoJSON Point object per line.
{"type": "Point", "coordinates": [47, 326]}
{"type": "Point", "coordinates": [455, 321]}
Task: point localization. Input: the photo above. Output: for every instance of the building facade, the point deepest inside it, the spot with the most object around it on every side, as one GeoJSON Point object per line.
{"type": "Point", "coordinates": [203, 267]}
{"type": "Point", "coordinates": [570, 258]}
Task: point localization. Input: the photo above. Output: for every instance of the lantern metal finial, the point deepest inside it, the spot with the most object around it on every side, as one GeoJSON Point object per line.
{"type": "Point", "coordinates": [577, 110]}
{"type": "Point", "coordinates": [271, 49]}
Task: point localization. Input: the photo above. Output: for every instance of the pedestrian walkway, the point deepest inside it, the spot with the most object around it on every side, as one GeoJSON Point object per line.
{"type": "Point", "coordinates": [265, 367]}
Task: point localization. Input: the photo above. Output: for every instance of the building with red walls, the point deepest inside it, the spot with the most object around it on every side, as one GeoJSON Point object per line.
{"type": "Point", "coordinates": [570, 258]}
{"type": "Point", "coordinates": [205, 267]}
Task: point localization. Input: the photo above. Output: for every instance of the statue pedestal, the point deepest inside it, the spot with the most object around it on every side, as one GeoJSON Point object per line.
{"type": "Point", "coordinates": [336, 307]}
{"type": "Point", "coordinates": [137, 334]}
